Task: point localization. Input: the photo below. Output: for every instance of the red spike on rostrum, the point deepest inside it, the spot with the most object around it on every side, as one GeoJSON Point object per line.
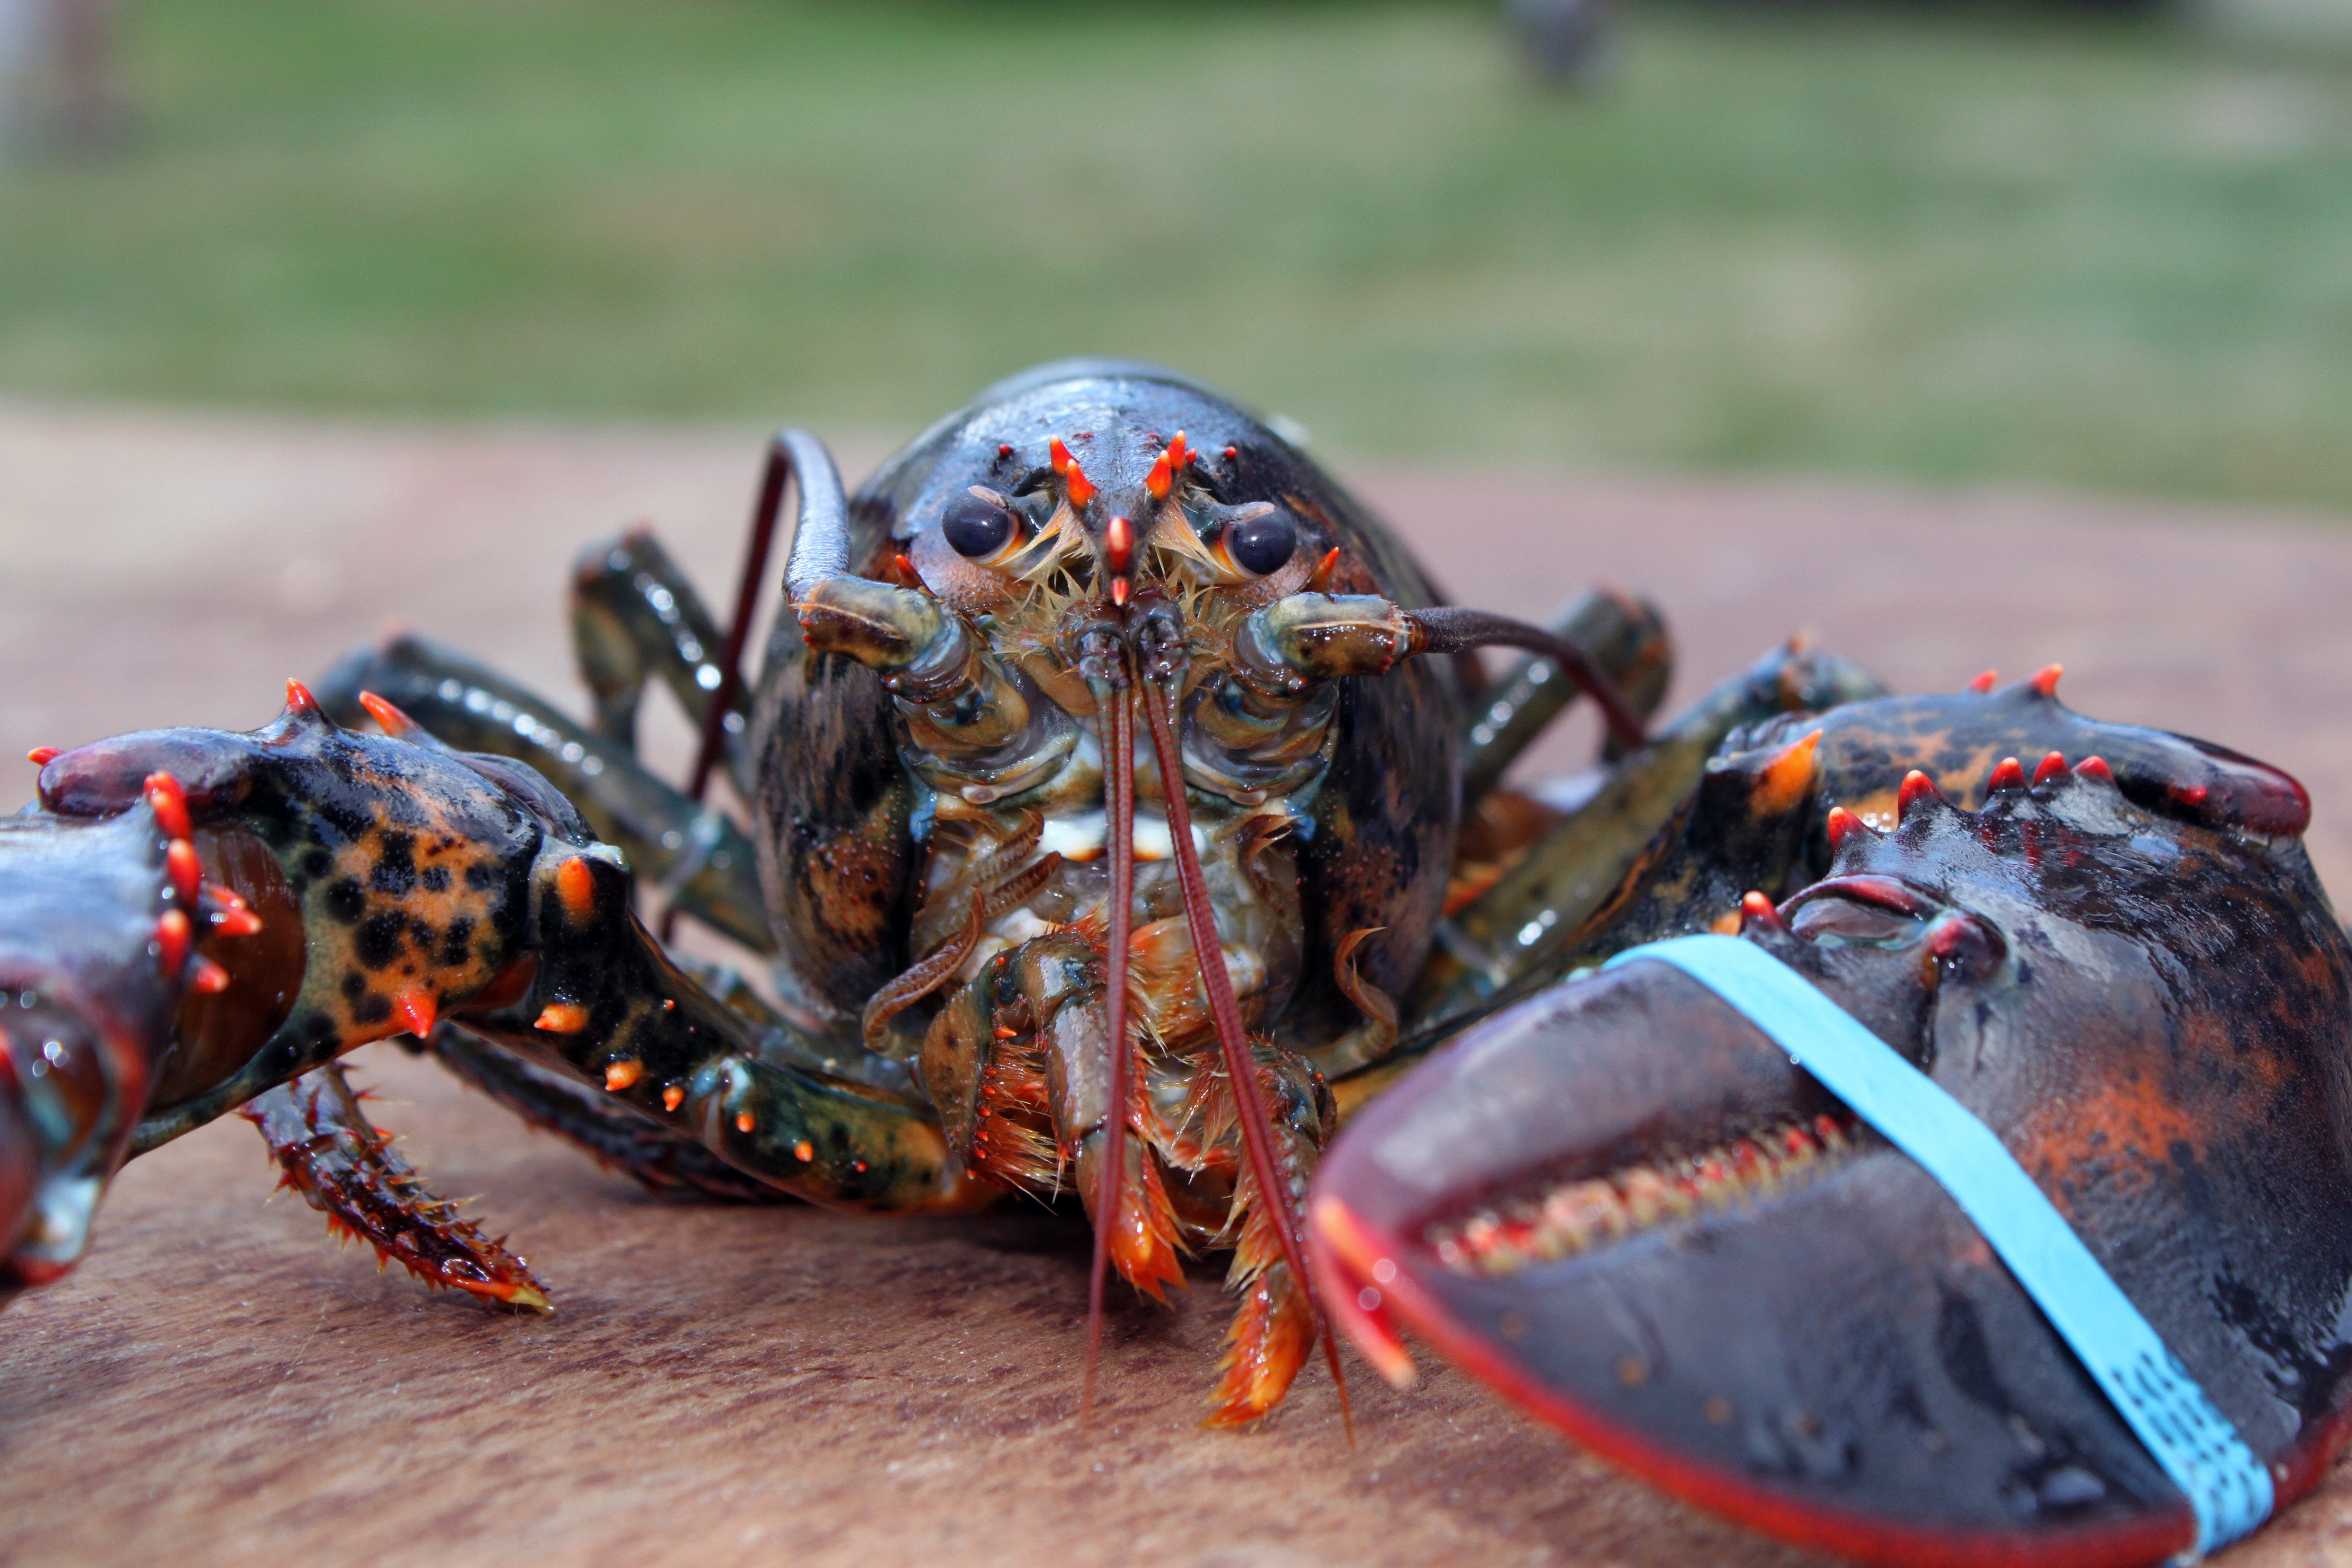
{"type": "Point", "coordinates": [1119, 790]}
{"type": "Point", "coordinates": [1233, 1040]}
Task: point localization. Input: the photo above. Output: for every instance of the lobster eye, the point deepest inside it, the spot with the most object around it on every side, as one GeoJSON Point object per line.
{"type": "Point", "coordinates": [1261, 544]}
{"type": "Point", "coordinates": [976, 528]}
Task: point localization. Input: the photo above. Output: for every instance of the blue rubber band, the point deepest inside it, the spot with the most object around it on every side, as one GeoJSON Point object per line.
{"type": "Point", "coordinates": [2227, 1486]}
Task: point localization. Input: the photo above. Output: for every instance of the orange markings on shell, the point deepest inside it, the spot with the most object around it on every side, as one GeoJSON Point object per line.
{"type": "Point", "coordinates": [620, 1075]}
{"type": "Point", "coordinates": [1983, 682]}
{"type": "Point", "coordinates": [2052, 766]}
{"type": "Point", "coordinates": [576, 885]}
{"type": "Point", "coordinates": [673, 1097]}
{"type": "Point", "coordinates": [171, 934]}
{"type": "Point", "coordinates": [2045, 679]}
{"type": "Point", "coordinates": [418, 1012]}
{"type": "Point", "coordinates": [169, 802]}
{"type": "Point", "coordinates": [1787, 778]}
{"type": "Point", "coordinates": [562, 1018]}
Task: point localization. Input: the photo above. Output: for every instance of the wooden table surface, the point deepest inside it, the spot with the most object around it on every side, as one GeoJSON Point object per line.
{"type": "Point", "coordinates": [220, 1384]}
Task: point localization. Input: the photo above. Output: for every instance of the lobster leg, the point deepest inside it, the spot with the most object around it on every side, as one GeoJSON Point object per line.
{"type": "Point", "coordinates": [635, 616]}
{"type": "Point", "coordinates": [700, 859]}
{"type": "Point", "coordinates": [346, 1168]}
{"type": "Point", "coordinates": [1624, 636]}
{"type": "Point", "coordinates": [1526, 930]}
{"type": "Point", "coordinates": [665, 1163]}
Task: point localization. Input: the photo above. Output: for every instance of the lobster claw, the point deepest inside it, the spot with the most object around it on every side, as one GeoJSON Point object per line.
{"type": "Point", "coordinates": [1621, 1205]}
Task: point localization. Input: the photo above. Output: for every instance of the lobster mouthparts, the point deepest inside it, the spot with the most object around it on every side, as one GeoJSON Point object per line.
{"type": "Point", "coordinates": [1621, 1205]}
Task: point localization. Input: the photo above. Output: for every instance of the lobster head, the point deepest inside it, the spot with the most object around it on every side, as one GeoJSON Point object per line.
{"type": "Point", "coordinates": [1622, 1204]}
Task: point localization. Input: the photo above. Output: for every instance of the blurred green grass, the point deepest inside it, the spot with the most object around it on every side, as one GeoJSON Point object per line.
{"type": "Point", "coordinates": [1955, 247]}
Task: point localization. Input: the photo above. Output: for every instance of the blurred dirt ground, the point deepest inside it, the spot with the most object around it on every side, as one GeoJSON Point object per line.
{"type": "Point", "coordinates": [218, 1384]}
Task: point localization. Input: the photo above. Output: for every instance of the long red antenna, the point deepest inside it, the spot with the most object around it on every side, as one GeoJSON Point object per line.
{"type": "Point", "coordinates": [764, 512]}
{"type": "Point", "coordinates": [1119, 800]}
{"type": "Point", "coordinates": [1257, 1129]}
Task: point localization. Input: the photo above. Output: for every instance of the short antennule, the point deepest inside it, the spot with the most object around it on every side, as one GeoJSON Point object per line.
{"type": "Point", "coordinates": [820, 530]}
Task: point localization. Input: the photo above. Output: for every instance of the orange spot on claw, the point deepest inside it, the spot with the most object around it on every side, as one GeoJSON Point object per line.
{"type": "Point", "coordinates": [673, 1097]}
{"type": "Point", "coordinates": [389, 718]}
{"type": "Point", "coordinates": [2045, 680]}
{"type": "Point", "coordinates": [42, 757]}
{"type": "Point", "coordinates": [562, 1018]}
{"type": "Point", "coordinates": [298, 698]}
{"type": "Point", "coordinates": [620, 1075]}
{"type": "Point", "coordinates": [744, 1122]}
{"type": "Point", "coordinates": [1983, 682]}
{"type": "Point", "coordinates": [1786, 779]}
{"type": "Point", "coordinates": [804, 1152]}
{"type": "Point", "coordinates": [576, 885]}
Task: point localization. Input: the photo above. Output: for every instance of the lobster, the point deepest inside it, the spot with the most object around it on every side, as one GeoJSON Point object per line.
{"type": "Point", "coordinates": [1101, 675]}
{"type": "Point", "coordinates": [1095, 676]}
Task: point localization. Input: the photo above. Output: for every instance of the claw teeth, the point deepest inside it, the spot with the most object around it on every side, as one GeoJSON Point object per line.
{"type": "Point", "coordinates": [1578, 1216]}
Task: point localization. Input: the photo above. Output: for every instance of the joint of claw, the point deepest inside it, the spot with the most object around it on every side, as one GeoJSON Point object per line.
{"type": "Point", "coordinates": [1565, 1218]}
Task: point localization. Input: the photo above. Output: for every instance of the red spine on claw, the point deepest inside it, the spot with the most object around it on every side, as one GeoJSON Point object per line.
{"type": "Point", "coordinates": [206, 976]}
{"type": "Point", "coordinates": [2097, 769]}
{"type": "Point", "coordinates": [1916, 788]}
{"type": "Point", "coordinates": [2052, 766]}
{"type": "Point", "coordinates": [1757, 910]}
{"type": "Point", "coordinates": [1840, 824]}
{"type": "Point", "coordinates": [2007, 774]}
{"type": "Point", "coordinates": [388, 717]}
{"type": "Point", "coordinates": [42, 757]}
{"type": "Point", "coordinates": [171, 936]}
{"type": "Point", "coordinates": [188, 872]}
{"type": "Point", "coordinates": [1983, 682]}
{"type": "Point", "coordinates": [298, 698]}
{"type": "Point", "coordinates": [416, 1011]}
{"type": "Point", "coordinates": [170, 803]}
{"type": "Point", "coordinates": [562, 1018]}
{"type": "Point", "coordinates": [234, 920]}
{"type": "Point", "coordinates": [2045, 679]}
